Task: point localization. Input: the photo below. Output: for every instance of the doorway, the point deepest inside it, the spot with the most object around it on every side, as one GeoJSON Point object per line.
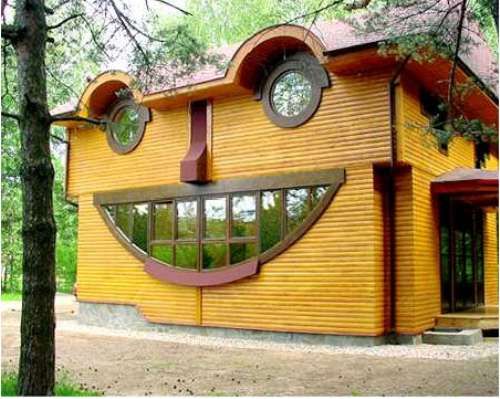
{"type": "Point", "coordinates": [461, 249]}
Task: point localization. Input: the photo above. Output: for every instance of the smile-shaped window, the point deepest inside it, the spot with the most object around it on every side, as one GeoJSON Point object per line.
{"type": "Point", "coordinates": [221, 232]}
{"type": "Point", "coordinates": [126, 124]}
{"type": "Point", "coordinates": [292, 92]}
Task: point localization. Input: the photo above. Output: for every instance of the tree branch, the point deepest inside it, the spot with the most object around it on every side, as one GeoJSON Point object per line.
{"type": "Point", "coordinates": [62, 118]}
{"type": "Point", "coordinates": [12, 116]}
{"type": "Point", "coordinates": [174, 6]}
{"type": "Point", "coordinates": [11, 32]}
{"type": "Point", "coordinates": [453, 69]}
{"type": "Point", "coordinates": [71, 17]}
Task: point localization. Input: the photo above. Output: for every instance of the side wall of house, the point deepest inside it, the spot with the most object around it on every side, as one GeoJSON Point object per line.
{"type": "Point", "coordinates": [418, 267]}
{"type": "Point", "coordinates": [490, 259]}
{"type": "Point", "coordinates": [330, 281]}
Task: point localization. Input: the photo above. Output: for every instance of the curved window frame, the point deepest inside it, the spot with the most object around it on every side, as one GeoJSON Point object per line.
{"type": "Point", "coordinates": [333, 178]}
{"type": "Point", "coordinates": [144, 117]}
{"type": "Point", "coordinates": [309, 67]}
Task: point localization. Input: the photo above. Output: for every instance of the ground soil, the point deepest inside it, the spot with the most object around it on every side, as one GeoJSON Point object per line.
{"type": "Point", "coordinates": [130, 366]}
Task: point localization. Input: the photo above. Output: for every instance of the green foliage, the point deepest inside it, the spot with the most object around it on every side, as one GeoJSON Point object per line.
{"type": "Point", "coordinates": [216, 23]}
{"type": "Point", "coordinates": [11, 296]}
{"type": "Point", "coordinates": [64, 387]}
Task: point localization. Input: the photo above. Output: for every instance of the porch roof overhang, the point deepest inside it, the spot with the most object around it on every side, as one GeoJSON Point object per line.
{"type": "Point", "coordinates": [473, 186]}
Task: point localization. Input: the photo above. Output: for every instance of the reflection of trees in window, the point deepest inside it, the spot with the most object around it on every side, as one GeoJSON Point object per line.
{"type": "Point", "coordinates": [244, 215]}
{"type": "Point", "coordinates": [279, 212]}
{"type": "Point", "coordinates": [186, 219]}
{"type": "Point", "coordinates": [163, 252]}
{"type": "Point", "coordinates": [270, 219]}
{"type": "Point", "coordinates": [317, 194]}
{"type": "Point", "coordinates": [125, 125]}
{"type": "Point", "coordinates": [163, 221]}
{"type": "Point", "coordinates": [140, 226]}
{"type": "Point", "coordinates": [297, 207]}
{"type": "Point", "coordinates": [215, 217]}
{"type": "Point", "coordinates": [214, 255]}
{"type": "Point", "coordinates": [291, 94]}
{"type": "Point", "coordinates": [242, 251]}
{"type": "Point", "coordinates": [123, 218]}
{"type": "Point", "coordinates": [186, 255]}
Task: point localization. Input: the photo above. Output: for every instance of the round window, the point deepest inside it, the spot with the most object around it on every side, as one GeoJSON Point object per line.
{"type": "Point", "coordinates": [126, 125]}
{"type": "Point", "coordinates": [292, 92]}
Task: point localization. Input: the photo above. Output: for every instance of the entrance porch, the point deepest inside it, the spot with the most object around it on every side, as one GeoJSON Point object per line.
{"type": "Point", "coordinates": [483, 317]}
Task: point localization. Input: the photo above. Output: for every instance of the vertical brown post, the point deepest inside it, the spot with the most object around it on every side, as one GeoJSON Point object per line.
{"type": "Point", "coordinates": [194, 166]}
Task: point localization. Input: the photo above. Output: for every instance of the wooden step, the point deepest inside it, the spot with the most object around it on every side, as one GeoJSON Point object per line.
{"type": "Point", "coordinates": [485, 318]}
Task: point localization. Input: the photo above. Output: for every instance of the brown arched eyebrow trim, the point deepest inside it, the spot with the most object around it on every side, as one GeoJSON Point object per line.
{"type": "Point", "coordinates": [333, 178]}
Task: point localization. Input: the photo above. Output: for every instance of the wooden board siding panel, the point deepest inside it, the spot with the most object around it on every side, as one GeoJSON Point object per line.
{"type": "Point", "coordinates": [351, 126]}
{"type": "Point", "coordinates": [419, 149]}
{"type": "Point", "coordinates": [418, 277]}
{"type": "Point", "coordinates": [331, 281]}
{"type": "Point", "coordinates": [328, 282]}
{"type": "Point", "coordinates": [156, 160]}
{"type": "Point", "coordinates": [405, 263]}
{"type": "Point", "coordinates": [490, 259]}
{"type": "Point", "coordinates": [108, 273]}
{"type": "Point", "coordinates": [426, 252]}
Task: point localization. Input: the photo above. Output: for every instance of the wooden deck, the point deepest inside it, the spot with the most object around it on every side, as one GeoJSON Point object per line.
{"type": "Point", "coordinates": [485, 318]}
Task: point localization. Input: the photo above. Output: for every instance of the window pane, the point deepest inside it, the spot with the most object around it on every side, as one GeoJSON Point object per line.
{"type": "Point", "coordinates": [215, 217]}
{"type": "Point", "coordinates": [296, 207]}
{"type": "Point", "coordinates": [317, 195]}
{"type": "Point", "coordinates": [243, 216]}
{"type": "Point", "coordinates": [123, 218]}
{"type": "Point", "coordinates": [186, 219]}
{"type": "Point", "coordinates": [241, 252]}
{"type": "Point", "coordinates": [163, 221]}
{"type": "Point", "coordinates": [164, 253]}
{"type": "Point", "coordinates": [140, 229]}
{"type": "Point", "coordinates": [270, 219]}
{"type": "Point", "coordinates": [214, 255]}
{"type": "Point", "coordinates": [291, 94]}
{"type": "Point", "coordinates": [186, 255]}
{"type": "Point", "coordinates": [125, 125]}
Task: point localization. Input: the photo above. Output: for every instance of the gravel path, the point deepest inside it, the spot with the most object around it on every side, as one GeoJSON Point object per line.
{"type": "Point", "coordinates": [119, 362]}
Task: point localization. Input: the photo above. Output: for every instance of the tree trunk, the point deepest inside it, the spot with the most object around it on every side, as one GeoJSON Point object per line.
{"type": "Point", "coordinates": [36, 364]}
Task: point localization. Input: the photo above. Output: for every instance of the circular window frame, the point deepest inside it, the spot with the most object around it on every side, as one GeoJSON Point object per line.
{"type": "Point", "coordinates": [308, 66]}
{"type": "Point", "coordinates": [144, 117]}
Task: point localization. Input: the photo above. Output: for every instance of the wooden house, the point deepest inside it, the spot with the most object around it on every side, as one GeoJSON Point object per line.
{"type": "Point", "coordinates": [294, 191]}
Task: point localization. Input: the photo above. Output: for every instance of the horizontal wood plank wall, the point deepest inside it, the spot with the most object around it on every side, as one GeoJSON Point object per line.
{"type": "Point", "coordinates": [330, 281]}
{"type": "Point", "coordinates": [108, 273]}
{"type": "Point", "coordinates": [350, 127]}
{"type": "Point", "coordinates": [490, 259]}
{"type": "Point", "coordinates": [418, 273]}
{"type": "Point", "coordinates": [156, 160]}
{"type": "Point", "coordinates": [405, 257]}
{"type": "Point", "coordinates": [419, 149]}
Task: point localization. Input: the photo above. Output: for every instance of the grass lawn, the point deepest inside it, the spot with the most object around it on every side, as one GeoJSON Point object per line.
{"type": "Point", "coordinates": [64, 387]}
{"type": "Point", "coordinates": [11, 296]}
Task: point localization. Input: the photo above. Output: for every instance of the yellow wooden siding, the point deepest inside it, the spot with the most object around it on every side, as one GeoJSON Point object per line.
{"type": "Point", "coordinates": [351, 126]}
{"type": "Point", "coordinates": [107, 272]}
{"type": "Point", "coordinates": [95, 167]}
{"type": "Point", "coordinates": [418, 267]}
{"type": "Point", "coordinates": [419, 149]}
{"type": "Point", "coordinates": [405, 271]}
{"type": "Point", "coordinates": [490, 259]}
{"type": "Point", "coordinates": [426, 252]}
{"type": "Point", "coordinates": [331, 281]}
